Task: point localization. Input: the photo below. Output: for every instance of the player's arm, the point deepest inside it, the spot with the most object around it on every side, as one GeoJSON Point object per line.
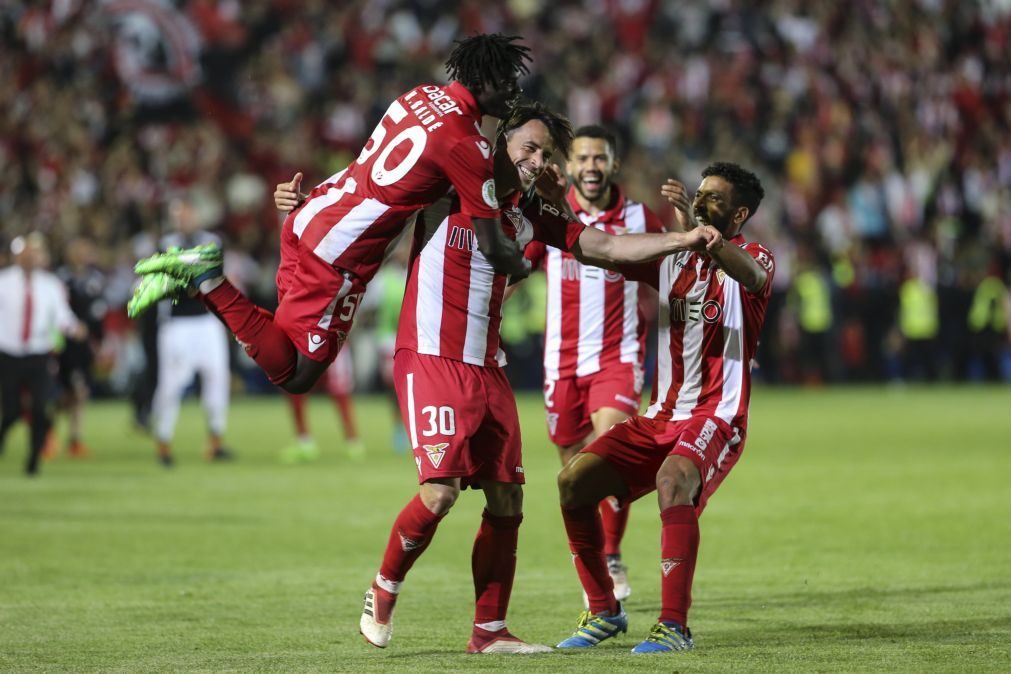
{"type": "Point", "coordinates": [502, 253]}
{"type": "Point", "coordinates": [551, 186]}
{"type": "Point", "coordinates": [601, 249]}
{"type": "Point", "coordinates": [734, 260]}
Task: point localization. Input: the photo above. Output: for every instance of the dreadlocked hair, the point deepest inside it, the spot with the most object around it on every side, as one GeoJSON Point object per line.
{"type": "Point", "coordinates": [559, 127]}
{"type": "Point", "coordinates": [487, 60]}
{"type": "Point", "coordinates": [748, 191]}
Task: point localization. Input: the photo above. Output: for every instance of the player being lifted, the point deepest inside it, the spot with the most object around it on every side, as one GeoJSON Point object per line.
{"type": "Point", "coordinates": [428, 141]}
{"type": "Point", "coordinates": [456, 402]}
{"type": "Point", "coordinates": [594, 343]}
{"type": "Point", "coordinates": [712, 305]}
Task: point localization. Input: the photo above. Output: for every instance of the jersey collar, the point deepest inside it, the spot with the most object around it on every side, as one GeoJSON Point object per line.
{"type": "Point", "coordinates": [466, 99]}
{"type": "Point", "coordinates": [612, 214]}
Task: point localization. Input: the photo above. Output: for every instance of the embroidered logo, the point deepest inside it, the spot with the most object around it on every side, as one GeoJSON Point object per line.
{"type": "Point", "coordinates": [315, 341]}
{"type": "Point", "coordinates": [669, 565]}
{"type": "Point", "coordinates": [552, 422]}
{"type": "Point", "coordinates": [408, 544]}
{"type": "Point", "coordinates": [436, 452]}
{"type": "Point", "coordinates": [488, 193]}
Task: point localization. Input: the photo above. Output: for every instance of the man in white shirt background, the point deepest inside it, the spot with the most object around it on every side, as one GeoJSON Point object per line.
{"type": "Point", "coordinates": [33, 304]}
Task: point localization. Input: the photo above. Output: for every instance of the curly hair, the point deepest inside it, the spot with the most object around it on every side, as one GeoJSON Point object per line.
{"type": "Point", "coordinates": [748, 190]}
{"type": "Point", "coordinates": [482, 60]}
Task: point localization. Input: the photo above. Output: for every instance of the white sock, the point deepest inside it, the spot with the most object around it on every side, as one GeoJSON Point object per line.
{"type": "Point", "coordinates": [391, 586]}
{"type": "Point", "coordinates": [493, 626]}
{"type": "Point", "coordinates": [210, 284]}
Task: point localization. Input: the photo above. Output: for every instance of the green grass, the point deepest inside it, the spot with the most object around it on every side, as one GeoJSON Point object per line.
{"type": "Point", "coordinates": [863, 529]}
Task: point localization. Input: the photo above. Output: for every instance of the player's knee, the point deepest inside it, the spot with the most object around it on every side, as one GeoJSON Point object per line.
{"type": "Point", "coordinates": [570, 487]}
{"type": "Point", "coordinates": [677, 482]}
{"type": "Point", "coordinates": [506, 500]}
{"type": "Point", "coordinates": [439, 498]}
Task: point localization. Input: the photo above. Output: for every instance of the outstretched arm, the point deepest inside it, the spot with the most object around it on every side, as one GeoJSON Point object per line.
{"type": "Point", "coordinates": [601, 249]}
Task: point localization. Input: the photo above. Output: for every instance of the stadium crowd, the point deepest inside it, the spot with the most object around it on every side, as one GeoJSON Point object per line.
{"type": "Point", "coordinates": [881, 130]}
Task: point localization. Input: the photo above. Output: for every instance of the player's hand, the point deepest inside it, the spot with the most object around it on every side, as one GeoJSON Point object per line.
{"type": "Point", "coordinates": [287, 196]}
{"type": "Point", "coordinates": [551, 184]}
{"type": "Point", "coordinates": [704, 238]}
{"type": "Point", "coordinates": [521, 272]}
{"type": "Point", "coordinates": [676, 195]}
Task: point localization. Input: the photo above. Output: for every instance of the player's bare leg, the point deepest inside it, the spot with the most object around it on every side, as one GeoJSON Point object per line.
{"type": "Point", "coordinates": [677, 484]}
{"type": "Point", "coordinates": [493, 563]}
{"type": "Point", "coordinates": [411, 534]}
{"type": "Point", "coordinates": [582, 483]}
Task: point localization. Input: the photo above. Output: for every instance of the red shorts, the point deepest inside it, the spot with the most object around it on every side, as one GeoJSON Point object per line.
{"type": "Point", "coordinates": [316, 302]}
{"type": "Point", "coordinates": [461, 419]}
{"type": "Point", "coordinates": [569, 401]}
{"type": "Point", "coordinates": [636, 448]}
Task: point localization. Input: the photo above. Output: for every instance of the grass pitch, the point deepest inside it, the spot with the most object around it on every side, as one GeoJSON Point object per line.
{"type": "Point", "coordinates": [862, 530]}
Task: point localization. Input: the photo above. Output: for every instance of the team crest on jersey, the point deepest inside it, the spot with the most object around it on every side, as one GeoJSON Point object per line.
{"type": "Point", "coordinates": [669, 564]}
{"type": "Point", "coordinates": [436, 452]}
{"type": "Point", "coordinates": [552, 422]}
{"type": "Point", "coordinates": [720, 276]}
{"type": "Point", "coordinates": [488, 193]}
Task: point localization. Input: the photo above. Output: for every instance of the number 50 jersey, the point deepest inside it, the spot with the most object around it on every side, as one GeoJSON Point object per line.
{"type": "Point", "coordinates": [428, 141]}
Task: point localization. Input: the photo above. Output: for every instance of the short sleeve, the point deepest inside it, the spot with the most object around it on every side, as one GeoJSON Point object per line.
{"type": "Point", "coordinates": [763, 256]}
{"type": "Point", "coordinates": [551, 226]}
{"type": "Point", "coordinates": [468, 165]}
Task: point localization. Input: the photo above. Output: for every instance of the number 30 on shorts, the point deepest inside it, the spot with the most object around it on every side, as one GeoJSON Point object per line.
{"type": "Point", "coordinates": [441, 420]}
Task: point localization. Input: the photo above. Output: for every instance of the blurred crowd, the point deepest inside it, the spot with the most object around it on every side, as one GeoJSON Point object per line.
{"type": "Point", "coordinates": [881, 130]}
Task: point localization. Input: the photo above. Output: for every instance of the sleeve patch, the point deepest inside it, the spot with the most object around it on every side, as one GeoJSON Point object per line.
{"type": "Point", "coordinates": [488, 193]}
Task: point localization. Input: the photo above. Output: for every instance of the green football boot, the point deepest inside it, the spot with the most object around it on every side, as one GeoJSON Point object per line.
{"type": "Point", "coordinates": [189, 265]}
{"type": "Point", "coordinates": [152, 289]}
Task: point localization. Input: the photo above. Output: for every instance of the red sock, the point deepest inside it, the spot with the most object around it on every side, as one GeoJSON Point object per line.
{"type": "Point", "coordinates": [614, 516]}
{"type": "Point", "coordinates": [493, 563]}
{"type": "Point", "coordinates": [679, 548]}
{"type": "Point", "coordinates": [255, 329]}
{"type": "Point", "coordinates": [347, 413]}
{"type": "Point", "coordinates": [586, 541]}
{"type": "Point", "coordinates": [412, 532]}
{"type": "Point", "coordinates": [298, 414]}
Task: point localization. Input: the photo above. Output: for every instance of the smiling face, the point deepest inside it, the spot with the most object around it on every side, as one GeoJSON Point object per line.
{"type": "Point", "coordinates": [591, 167]}
{"type": "Point", "coordinates": [714, 205]}
{"type": "Point", "coordinates": [530, 149]}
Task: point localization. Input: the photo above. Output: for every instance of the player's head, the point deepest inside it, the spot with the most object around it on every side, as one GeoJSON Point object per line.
{"type": "Point", "coordinates": [727, 197]}
{"type": "Point", "coordinates": [490, 66]}
{"type": "Point", "coordinates": [531, 136]}
{"type": "Point", "coordinates": [30, 251]}
{"type": "Point", "coordinates": [593, 161]}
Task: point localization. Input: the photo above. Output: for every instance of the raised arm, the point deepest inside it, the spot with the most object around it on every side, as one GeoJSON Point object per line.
{"type": "Point", "coordinates": [287, 196]}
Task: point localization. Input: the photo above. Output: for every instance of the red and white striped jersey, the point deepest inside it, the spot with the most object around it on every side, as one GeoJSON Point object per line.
{"type": "Point", "coordinates": [428, 140]}
{"type": "Point", "coordinates": [707, 335]}
{"type": "Point", "coordinates": [453, 299]}
{"type": "Point", "coordinates": [593, 315]}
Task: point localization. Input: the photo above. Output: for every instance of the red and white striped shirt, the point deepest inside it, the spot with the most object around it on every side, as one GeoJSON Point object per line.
{"type": "Point", "coordinates": [428, 140]}
{"type": "Point", "coordinates": [593, 315]}
{"type": "Point", "coordinates": [453, 299]}
{"type": "Point", "coordinates": [707, 335]}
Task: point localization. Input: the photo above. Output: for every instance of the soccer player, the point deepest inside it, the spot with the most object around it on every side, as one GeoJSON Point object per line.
{"type": "Point", "coordinates": [594, 344]}
{"type": "Point", "coordinates": [456, 402]}
{"type": "Point", "coordinates": [331, 246]}
{"type": "Point", "coordinates": [711, 311]}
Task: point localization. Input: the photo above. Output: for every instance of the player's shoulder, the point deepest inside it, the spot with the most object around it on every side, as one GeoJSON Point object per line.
{"type": "Point", "coordinates": [762, 255]}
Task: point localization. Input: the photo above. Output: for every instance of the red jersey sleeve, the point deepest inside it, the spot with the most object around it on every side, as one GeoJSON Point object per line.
{"type": "Point", "coordinates": [552, 226]}
{"type": "Point", "coordinates": [468, 166]}
{"type": "Point", "coordinates": [535, 252]}
{"type": "Point", "coordinates": [763, 256]}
